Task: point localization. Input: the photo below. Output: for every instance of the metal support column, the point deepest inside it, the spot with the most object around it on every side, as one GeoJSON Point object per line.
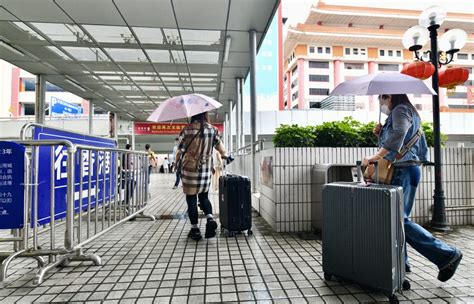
{"type": "Point", "coordinates": [91, 118]}
{"type": "Point", "coordinates": [40, 99]}
{"type": "Point", "coordinates": [253, 104]}
{"type": "Point", "coordinates": [226, 130]}
{"type": "Point", "coordinates": [238, 105]}
{"type": "Point", "coordinates": [231, 141]}
{"type": "Point", "coordinates": [133, 135]}
{"type": "Point", "coordinates": [241, 115]}
{"type": "Point", "coordinates": [237, 114]}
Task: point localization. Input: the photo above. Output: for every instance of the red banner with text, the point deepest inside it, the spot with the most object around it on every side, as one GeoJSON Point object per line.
{"type": "Point", "coordinates": [150, 128]}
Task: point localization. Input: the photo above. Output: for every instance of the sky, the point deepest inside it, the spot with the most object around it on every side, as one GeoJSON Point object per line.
{"type": "Point", "coordinates": [297, 10]}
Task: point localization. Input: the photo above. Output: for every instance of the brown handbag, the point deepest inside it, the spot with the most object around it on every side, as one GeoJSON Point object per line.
{"type": "Point", "coordinates": [386, 168]}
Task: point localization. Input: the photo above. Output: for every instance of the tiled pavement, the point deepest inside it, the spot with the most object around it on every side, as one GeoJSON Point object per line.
{"type": "Point", "coordinates": [155, 262]}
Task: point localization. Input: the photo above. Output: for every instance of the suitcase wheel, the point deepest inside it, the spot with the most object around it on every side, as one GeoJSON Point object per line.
{"type": "Point", "coordinates": [249, 232]}
{"type": "Point", "coordinates": [231, 233]}
{"type": "Point", "coordinates": [406, 285]}
{"type": "Point", "coordinates": [327, 276]}
{"type": "Point", "coordinates": [393, 299]}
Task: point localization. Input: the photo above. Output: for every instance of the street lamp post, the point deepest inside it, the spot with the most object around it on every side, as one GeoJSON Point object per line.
{"type": "Point", "coordinates": [451, 42]}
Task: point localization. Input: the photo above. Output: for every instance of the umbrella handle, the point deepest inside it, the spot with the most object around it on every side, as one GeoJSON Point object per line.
{"type": "Point", "coordinates": [380, 116]}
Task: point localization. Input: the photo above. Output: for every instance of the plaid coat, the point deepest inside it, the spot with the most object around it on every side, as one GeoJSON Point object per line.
{"type": "Point", "coordinates": [197, 162]}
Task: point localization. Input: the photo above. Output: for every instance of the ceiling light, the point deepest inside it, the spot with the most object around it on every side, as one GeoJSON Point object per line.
{"type": "Point", "coordinates": [73, 83]}
{"type": "Point", "coordinates": [110, 104]}
{"type": "Point", "coordinates": [11, 48]}
{"type": "Point", "coordinates": [222, 87]}
{"type": "Point", "coordinates": [228, 40]}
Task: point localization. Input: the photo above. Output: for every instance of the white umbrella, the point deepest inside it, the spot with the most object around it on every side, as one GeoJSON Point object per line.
{"type": "Point", "coordinates": [183, 106]}
{"type": "Point", "coordinates": [383, 83]}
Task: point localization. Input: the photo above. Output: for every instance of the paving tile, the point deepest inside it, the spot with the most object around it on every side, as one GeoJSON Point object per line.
{"type": "Point", "coordinates": [145, 262]}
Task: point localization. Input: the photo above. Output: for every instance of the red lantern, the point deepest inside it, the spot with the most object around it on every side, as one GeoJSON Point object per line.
{"type": "Point", "coordinates": [451, 77]}
{"type": "Point", "coordinates": [419, 69]}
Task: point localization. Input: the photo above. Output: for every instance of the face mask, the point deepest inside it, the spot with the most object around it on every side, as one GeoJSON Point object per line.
{"type": "Point", "coordinates": [384, 108]}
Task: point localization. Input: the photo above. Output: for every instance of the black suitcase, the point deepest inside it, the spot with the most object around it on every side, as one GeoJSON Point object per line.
{"type": "Point", "coordinates": [235, 204]}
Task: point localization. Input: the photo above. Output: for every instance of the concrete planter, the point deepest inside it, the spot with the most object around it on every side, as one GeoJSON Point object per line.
{"type": "Point", "coordinates": [286, 203]}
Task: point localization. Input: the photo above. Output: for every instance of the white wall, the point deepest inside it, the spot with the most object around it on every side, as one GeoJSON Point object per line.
{"type": "Point", "coordinates": [5, 87]}
{"type": "Point", "coordinates": [11, 128]}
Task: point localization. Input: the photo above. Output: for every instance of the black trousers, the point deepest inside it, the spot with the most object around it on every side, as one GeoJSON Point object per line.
{"type": "Point", "coordinates": [192, 206]}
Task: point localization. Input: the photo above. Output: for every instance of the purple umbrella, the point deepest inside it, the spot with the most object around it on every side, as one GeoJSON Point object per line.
{"type": "Point", "coordinates": [183, 106]}
{"type": "Point", "coordinates": [383, 83]}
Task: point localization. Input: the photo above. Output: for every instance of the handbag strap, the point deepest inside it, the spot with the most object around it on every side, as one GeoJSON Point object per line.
{"type": "Point", "coordinates": [404, 150]}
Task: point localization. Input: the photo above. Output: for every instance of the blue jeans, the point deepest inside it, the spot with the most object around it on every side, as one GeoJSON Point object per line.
{"type": "Point", "coordinates": [178, 177]}
{"type": "Point", "coordinates": [435, 250]}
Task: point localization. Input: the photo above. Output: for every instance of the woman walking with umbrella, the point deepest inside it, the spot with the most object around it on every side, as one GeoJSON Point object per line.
{"type": "Point", "coordinates": [197, 142]}
{"type": "Point", "coordinates": [403, 126]}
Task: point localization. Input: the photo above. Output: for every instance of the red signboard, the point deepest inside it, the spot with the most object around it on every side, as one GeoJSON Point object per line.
{"type": "Point", "coordinates": [150, 128]}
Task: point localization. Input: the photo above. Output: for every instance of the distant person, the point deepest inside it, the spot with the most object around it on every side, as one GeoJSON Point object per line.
{"type": "Point", "coordinates": [127, 174]}
{"type": "Point", "coordinates": [166, 166]}
{"type": "Point", "coordinates": [198, 139]}
{"type": "Point", "coordinates": [401, 127]}
{"type": "Point", "coordinates": [178, 163]}
{"type": "Point", "coordinates": [218, 169]}
{"type": "Point", "coordinates": [152, 162]}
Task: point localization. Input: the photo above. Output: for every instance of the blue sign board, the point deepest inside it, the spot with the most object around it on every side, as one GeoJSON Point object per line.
{"type": "Point", "coordinates": [12, 185]}
{"type": "Point", "coordinates": [61, 107]}
{"type": "Point", "coordinates": [106, 172]}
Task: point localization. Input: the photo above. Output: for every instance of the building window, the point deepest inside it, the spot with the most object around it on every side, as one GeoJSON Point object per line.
{"type": "Point", "coordinates": [362, 51]}
{"type": "Point", "coordinates": [29, 108]}
{"type": "Point", "coordinates": [462, 56]}
{"type": "Point", "coordinates": [321, 78]}
{"type": "Point", "coordinates": [399, 53]}
{"type": "Point", "coordinates": [319, 64]}
{"type": "Point", "coordinates": [320, 50]}
{"type": "Point", "coordinates": [348, 51]}
{"type": "Point", "coordinates": [355, 51]}
{"type": "Point", "coordinates": [382, 52]}
{"type": "Point", "coordinates": [294, 96]}
{"type": "Point", "coordinates": [294, 83]}
{"type": "Point", "coordinates": [315, 91]}
{"type": "Point", "coordinates": [388, 67]}
{"type": "Point", "coordinates": [353, 66]}
{"type": "Point", "coordinates": [328, 51]}
{"type": "Point", "coordinates": [311, 49]}
{"type": "Point", "coordinates": [462, 95]}
{"type": "Point", "coordinates": [390, 53]}
{"type": "Point", "coordinates": [294, 70]}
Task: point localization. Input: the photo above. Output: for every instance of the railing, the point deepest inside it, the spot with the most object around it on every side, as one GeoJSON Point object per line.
{"type": "Point", "coordinates": [259, 146]}
{"type": "Point", "coordinates": [119, 188]}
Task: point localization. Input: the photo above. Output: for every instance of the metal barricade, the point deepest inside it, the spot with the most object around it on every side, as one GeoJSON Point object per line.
{"type": "Point", "coordinates": [119, 191]}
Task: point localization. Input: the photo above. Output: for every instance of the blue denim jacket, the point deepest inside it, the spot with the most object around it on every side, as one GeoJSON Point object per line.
{"type": "Point", "coordinates": [400, 126]}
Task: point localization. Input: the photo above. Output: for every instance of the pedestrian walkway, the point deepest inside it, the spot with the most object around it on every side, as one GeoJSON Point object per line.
{"type": "Point", "coordinates": [155, 262]}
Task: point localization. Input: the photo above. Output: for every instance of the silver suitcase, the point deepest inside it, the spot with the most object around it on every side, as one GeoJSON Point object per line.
{"type": "Point", "coordinates": [363, 235]}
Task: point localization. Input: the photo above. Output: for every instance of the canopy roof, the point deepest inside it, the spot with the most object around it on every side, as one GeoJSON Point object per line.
{"type": "Point", "coordinates": [127, 56]}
